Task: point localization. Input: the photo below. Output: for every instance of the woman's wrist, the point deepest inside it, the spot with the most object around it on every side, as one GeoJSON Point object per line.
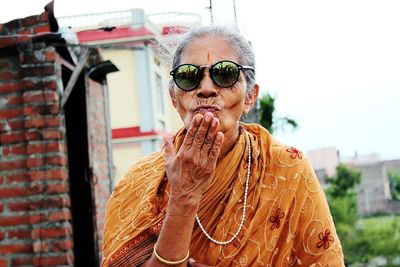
{"type": "Point", "coordinates": [182, 207]}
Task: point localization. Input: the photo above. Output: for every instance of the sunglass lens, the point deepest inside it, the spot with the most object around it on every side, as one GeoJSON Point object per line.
{"type": "Point", "coordinates": [225, 73]}
{"type": "Point", "coordinates": [187, 77]}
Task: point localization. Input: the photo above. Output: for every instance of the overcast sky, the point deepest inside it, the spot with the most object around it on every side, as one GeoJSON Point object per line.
{"type": "Point", "coordinates": [334, 66]}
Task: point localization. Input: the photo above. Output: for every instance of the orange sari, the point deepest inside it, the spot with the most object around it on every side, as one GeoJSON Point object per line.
{"type": "Point", "coordinates": [288, 222]}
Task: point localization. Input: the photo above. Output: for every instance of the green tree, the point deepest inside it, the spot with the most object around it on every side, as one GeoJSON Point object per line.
{"type": "Point", "coordinates": [344, 181]}
{"type": "Point", "coordinates": [266, 113]}
{"type": "Point", "coordinates": [342, 199]}
{"type": "Point", "coordinates": [394, 182]}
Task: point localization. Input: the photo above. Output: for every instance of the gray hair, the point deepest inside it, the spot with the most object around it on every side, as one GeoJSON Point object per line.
{"type": "Point", "coordinates": [240, 45]}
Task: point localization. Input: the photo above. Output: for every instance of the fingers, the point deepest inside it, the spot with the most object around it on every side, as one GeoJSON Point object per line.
{"type": "Point", "coordinates": [169, 150]}
{"type": "Point", "coordinates": [189, 138]}
{"type": "Point", "coordinates": [204, 137]}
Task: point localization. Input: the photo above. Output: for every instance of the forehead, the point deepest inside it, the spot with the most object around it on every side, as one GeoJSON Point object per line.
{"type": "Point", "coordinates": [208, 50]}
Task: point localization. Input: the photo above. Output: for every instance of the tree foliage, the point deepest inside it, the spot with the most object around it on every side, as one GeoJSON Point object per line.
{"type": "Point", "coordinates": [343, 183]}
{"type": "Point", "coordinates": [362, 239]}
{"type": "Point", "coordinates": [268, 118]}
{"type": "Point", "coordinates": [394, 182]}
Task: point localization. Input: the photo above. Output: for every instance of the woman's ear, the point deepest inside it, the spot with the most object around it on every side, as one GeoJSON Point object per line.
{"type": "Point", "coordinates": [251, 99]}
{"type": "Point", "coordinates": [172, 95]}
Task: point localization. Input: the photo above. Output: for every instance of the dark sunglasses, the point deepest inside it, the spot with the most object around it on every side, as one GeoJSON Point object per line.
{"type": "Point", "coordinates": [224, 73]}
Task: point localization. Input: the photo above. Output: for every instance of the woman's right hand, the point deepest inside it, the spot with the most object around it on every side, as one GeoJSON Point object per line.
{"type": "Point", "coordinates": [190, 169]}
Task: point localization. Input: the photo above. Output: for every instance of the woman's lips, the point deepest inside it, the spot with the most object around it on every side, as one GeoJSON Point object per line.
{"type": "Point", "coordinates": [205, 109]}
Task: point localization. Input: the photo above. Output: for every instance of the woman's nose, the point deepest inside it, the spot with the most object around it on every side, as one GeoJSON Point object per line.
{"type": "Point", "coordinates": [206, 88]}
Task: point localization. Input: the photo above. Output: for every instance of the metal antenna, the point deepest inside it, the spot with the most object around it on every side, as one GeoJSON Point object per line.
{"type": "Point", "coordinates": [211, 12]}
{"type": "Point", "coordinates": [234, 11]}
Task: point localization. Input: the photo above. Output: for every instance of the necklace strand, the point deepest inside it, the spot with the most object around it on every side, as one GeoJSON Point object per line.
{"type": "Point", "coordinates": [246, 190]}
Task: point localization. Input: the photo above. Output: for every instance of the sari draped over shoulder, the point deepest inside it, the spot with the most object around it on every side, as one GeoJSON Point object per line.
{"type": "Point", "coordinates": [288, 222]}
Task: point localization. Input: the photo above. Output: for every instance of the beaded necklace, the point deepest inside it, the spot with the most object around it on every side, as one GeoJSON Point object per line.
{"type": "Point", "coordinates": [246, 190]}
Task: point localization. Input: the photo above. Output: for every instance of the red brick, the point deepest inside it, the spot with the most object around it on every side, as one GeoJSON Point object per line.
{"type": "Point", "coordinates": [14, 220]}
{"type": "Point", "coordinates": [58, 174]}
{"type": "Point", "coordinates": [39, 122]}
{"type": "Point", "coordinates": [53, 134]}
{"type": "Point", "coordinates": [1, 207]}
{"type": "Point", "coordinates": [13, 100]}
{"type": "Point", "coordinates": [22, 261]}
{"type": "Point", "coordinates": [4, 263]}
{"type": "Point", "coordinates": [63, 215]}
{"type": "Point", "coordinates": [13, 125]}
{"type": "Point", "coordinates": [13, 165]}
{"type": "Point", "coordinates": [8, 75]}
{"type": "Point", "coordinates": [13, 192]}
{"type": "Point", "coordinates": [19, 206]}
{"type": "Point", "coordinates": [9, 87]}
{"type": "Point", "coordinates": [35, 189]}
{"type": "Point", "coordinates": [18, 177]}
{"type": "Point", "coordinates": [57, 160]}
{"type": "Point", "coordinates": [14, 150]}
{"type": "Point", "coordinates": [34, 110]}
{"type": "Point", "coordinates": [53, 260]}
{"type": "Point", "coordinates": [11, 113]}
{"type": "Point", "coordinates": [51, 56]}
{"type": "Point", "coordinates": [2, 235]}
{"type": "Point", "coordinates": [40, 97]}
{"type": "Point", "coordinates": [12, 137]}
{"type": "Point", "coordinates": [57, 188]}
{"type": "Point", "coordinates": [37, 218]}
{"type": "Point", "coordinates": [36, 84]}
{"type": "Point", "coordinates": [15, 248]}
{"type": "Point", "coordinates": [7, 42]}
{"type": "Point", "coordinates": [57, 202]}
{"type": "Point", "coordinates": [42, 29]}
{"type": "Point", "coordinates": [19, 234]}
{"type": "Point", "coordinates": [40, 246]}
{"type": "Point", "coordinates": [64, 245]}
{"type": "Point", "coordinates": [45, 147]}
{"type": "Point", "coordinates": [51, 232]}
{"type": "Point", "coordinates": [35, 162]}
{"type": "Point", "coordinates": [47, 109]}
{"type": "Point", "coordinates": [47, 134]}
{"type": "Point", "coordinates": [22, 39]}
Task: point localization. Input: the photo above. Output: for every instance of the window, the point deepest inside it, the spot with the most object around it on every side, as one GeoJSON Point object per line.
{"type": "Point", "coordinates": [160, 95]}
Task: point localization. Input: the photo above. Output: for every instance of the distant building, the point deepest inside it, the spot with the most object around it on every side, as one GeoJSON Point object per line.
{"type": "Point", "coordinates": [324, 162]}
{"type": "Point", "coordinates": [373, 192]}
{"type": "Point", "coordinates": [140, 106]}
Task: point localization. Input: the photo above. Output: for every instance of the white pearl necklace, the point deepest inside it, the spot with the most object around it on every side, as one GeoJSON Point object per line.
{"type": "Point", "coordinates": [246, 190]}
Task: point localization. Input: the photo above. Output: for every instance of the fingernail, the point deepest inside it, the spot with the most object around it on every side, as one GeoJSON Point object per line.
{"type": "Point", "coordinates": [207, 117]}
{"type": "Point", "coordinates": [214, 123]}
{"type": "Point", "coordinates": [198, 119]}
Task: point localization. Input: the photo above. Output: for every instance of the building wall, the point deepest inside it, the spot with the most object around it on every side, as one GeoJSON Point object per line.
{"type": "Point", "coordinates": [324, 159]}
{"type": "Point", "coordinates": [35, 219]}
{"type": "Point", "coordinates": [124, 100]}
{"type": "Point", "coordinates": [99, 153]}
{"type": "Point", "coordinates": [35, 204]}
{"type": "Point", "coordinates": [124, 156]}
{"type": "Point", "coordinates": [139, 97]}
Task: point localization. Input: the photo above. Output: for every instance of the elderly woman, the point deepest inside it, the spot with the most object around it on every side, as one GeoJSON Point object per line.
{"type": "Point", "coordinates": [220, 193]}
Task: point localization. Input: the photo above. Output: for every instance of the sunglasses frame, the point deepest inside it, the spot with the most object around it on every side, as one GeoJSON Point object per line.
{"type": "Point", "coordinates": [201, 70]}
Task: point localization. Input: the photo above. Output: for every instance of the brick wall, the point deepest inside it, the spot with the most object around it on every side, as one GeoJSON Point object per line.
{"type": "Point", "coordinates": [99, 152]}
{"type": "Point", "coordinates": [35, 219]}
{"type": "Point", "coordinates": [35, 214]}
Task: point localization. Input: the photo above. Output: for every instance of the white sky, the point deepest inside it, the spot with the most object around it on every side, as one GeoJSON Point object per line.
{"type": "Point", "coordinates": [333, 65]}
